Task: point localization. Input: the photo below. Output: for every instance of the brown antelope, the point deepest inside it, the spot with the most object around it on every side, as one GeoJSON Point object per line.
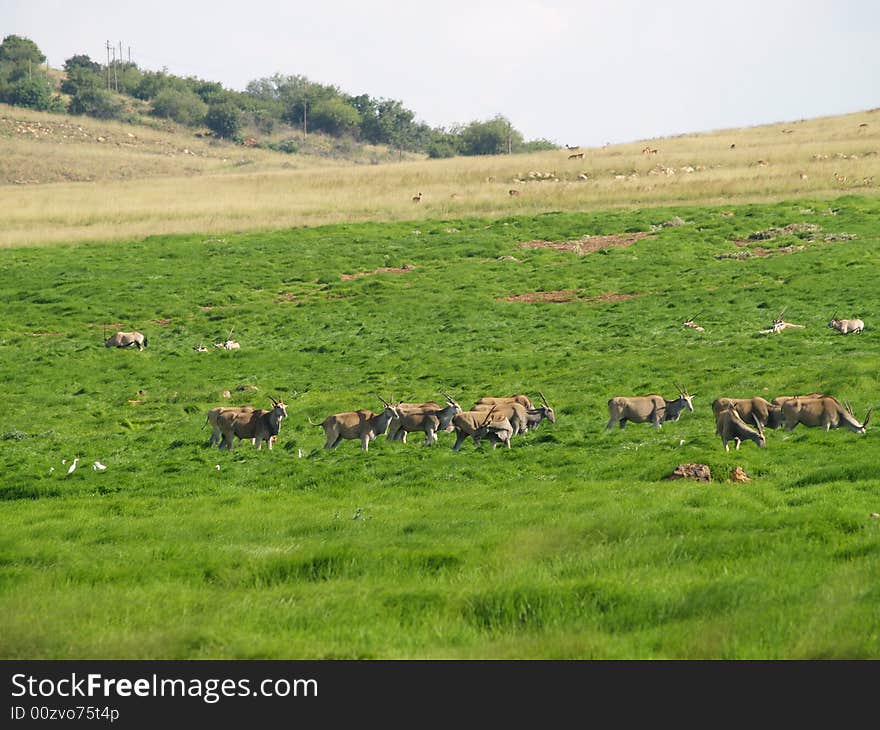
{"type": "Point", "coordinates": [258, 425]}
{"type": "Point", "coordinates": [363, 425]}
{"type": "Point", "coordinates": [576, 156]}
{"type": "Point", "coordinates": [417, 198]}
{"type": "Point", "coordinates": [729, 424]}
{"type": "Point", "coordinates": [519, 398]}
{"type": "Point", "coordinates": [479, 425]}
{"type": "Point", "coordinates": [513, 192]}
{"type": "Point", "coordinates": [214, 419]}
{"type": "Point", "coordinates": [427, 417]}
{"type": "Point", "coordinates": [757, 408]}
{"type": "Point", "coordinates": [516, 413]}
{"type": "Point", "coordinates": [824, 411]}
{"type": "Point", "coordinates": [127, 339]}
{"type": "Point", "coordinates": [654, 408]}
{"type": "Point", "coordinates": [846, 326]}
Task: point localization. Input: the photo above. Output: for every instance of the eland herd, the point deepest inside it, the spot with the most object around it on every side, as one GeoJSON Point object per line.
{"type": "Point", "coordinates": [498, 419]}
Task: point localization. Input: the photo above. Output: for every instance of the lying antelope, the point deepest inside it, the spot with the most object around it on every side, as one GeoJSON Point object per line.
{"type": "Point", "coordinates": [729, 424]}
{"type": "Point", "coordinates": [757, 408]}
{"type": "Point", "coordinates": [846, 326]}
{"type": "Point", "coordinates": [428, 417]}
{"type": "Point", "coordinates": [780, 324]}
{"type": "Point", "coordinates": [654, 408]}
{"type": "Point", "coordinates": [127, 339]}
{"type": "Point", "coordinates": [693, 325]}
{"type": "Point", "coordinates": [258, 425]}
{"type": "Point", "coordinates": [228, 345]}
{"type": "Point", "coordinates": [364, 425]}
{"type": "Point", "coordinates": [824, 411]}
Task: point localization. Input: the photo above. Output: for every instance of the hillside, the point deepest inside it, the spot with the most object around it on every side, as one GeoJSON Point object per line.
{"type": "Point", "coordinates": [69, 180]}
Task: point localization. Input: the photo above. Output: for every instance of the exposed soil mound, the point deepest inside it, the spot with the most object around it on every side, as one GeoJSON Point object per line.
{"type": "Point", "coordinates": [698, 472]}
{"type": "Point", "coordinates": [588, 244]}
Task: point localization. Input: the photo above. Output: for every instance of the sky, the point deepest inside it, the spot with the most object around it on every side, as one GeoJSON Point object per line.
{"type": "Point", "coordinates": [575, 72]}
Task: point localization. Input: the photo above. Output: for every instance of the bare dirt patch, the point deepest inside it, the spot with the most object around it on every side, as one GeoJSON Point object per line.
{"type": "Point", "coordinates": [382, 270]}
{"type": "Point", "coordinates": [588, 244]}
{"type": "Point", "coordinates": [163, 322]}
{"type": "Point", "coordinates": [565, 295]}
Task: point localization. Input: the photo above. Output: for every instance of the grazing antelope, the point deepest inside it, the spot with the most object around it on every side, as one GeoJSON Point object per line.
{"type": "Point", "coordinates": [757, 408]}
{"type": "Point", "coordinates": [846, 326]}
{"type": "Point", "coordinates": [427, 417]}
{"type": "Point", "coordinates": [576, 156]}
{"type": "Point", "coordinates": [649, 151]}
{"type": "Point", "coordinates": [258, 425]}
{"type": "Point", "coordinates": [824, 411]}
{"type": "Point", "coordinates": [654, 408]}
{"type": "Point", "coordinates": [417, 198]}
{"type": "Point", "coordinates": [127, 339]}
{"type": "Point", "coordinates": [729, 424]}
{"type": "Point", "coordinates": [363, 425]}
{"type": "Point", "coordinates": [479, 425]}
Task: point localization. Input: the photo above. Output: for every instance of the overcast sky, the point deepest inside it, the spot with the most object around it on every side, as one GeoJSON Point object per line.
{"type": "Point", "coordinates": [573, 71]}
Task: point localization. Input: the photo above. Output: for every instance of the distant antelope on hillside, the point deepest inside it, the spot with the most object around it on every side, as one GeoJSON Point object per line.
{"type": "Point", "coordinates": [417, 198]}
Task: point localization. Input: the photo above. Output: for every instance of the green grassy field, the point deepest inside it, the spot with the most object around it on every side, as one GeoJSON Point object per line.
{"type": "Point", "coordinates": [572, 544]}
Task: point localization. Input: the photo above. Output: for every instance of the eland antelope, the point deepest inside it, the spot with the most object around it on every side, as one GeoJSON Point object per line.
{"type": "Point", "coordinates": [363, 425]}
{"type": "Point", "coordinates": [127, 339]}
{"type": "Point", "coordinates": [824, 411]}
{"type": "Point", "coordinates": [730, 425]}
{"type": "Point", "coordinates": [258, 425]}
{"type": "Point", "coordinates": [654, 408]}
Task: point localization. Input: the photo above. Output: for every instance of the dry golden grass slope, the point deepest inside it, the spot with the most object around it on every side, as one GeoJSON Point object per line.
{"type": "Point", "coordinates": [73, 178]}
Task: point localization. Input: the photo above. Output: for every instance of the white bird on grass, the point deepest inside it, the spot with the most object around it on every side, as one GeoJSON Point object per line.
{"type": "Point", "coordinates": [71, 468]}
{"type": "Point", "coordinates": [98, 466]}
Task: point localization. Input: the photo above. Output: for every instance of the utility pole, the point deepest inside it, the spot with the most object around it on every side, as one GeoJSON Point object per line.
{"type": "Point", "coordinates": [115, 79]}
{"type": "Point", "coordinates": [107, 46]}
{"type": "Point", "coordinates": [305, 116]}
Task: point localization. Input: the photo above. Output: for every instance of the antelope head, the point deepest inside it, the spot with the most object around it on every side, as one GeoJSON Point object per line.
{"type": "Point", "coordinates": [685, 396]}
{"type": "Point", "coordinates": [551, 416]}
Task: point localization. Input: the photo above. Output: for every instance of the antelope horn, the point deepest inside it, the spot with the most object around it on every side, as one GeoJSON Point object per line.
{"type": "Point", "coordinates": [448, 397]}
{"type": "Point", "coordinates": [867, 418]}
{"type": "Point", "coordinates": [274, 402]}
{"type": "Point", "coordinates": [543, 399]}
{"type": "Point", "coordinates": [385, 402]}
{"type": "Point", "coordinates": [758, 424]}
{"type": "Point", "coordinates": [488, 416]}
{"type": "Point", "coordinates": [848, 406]}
